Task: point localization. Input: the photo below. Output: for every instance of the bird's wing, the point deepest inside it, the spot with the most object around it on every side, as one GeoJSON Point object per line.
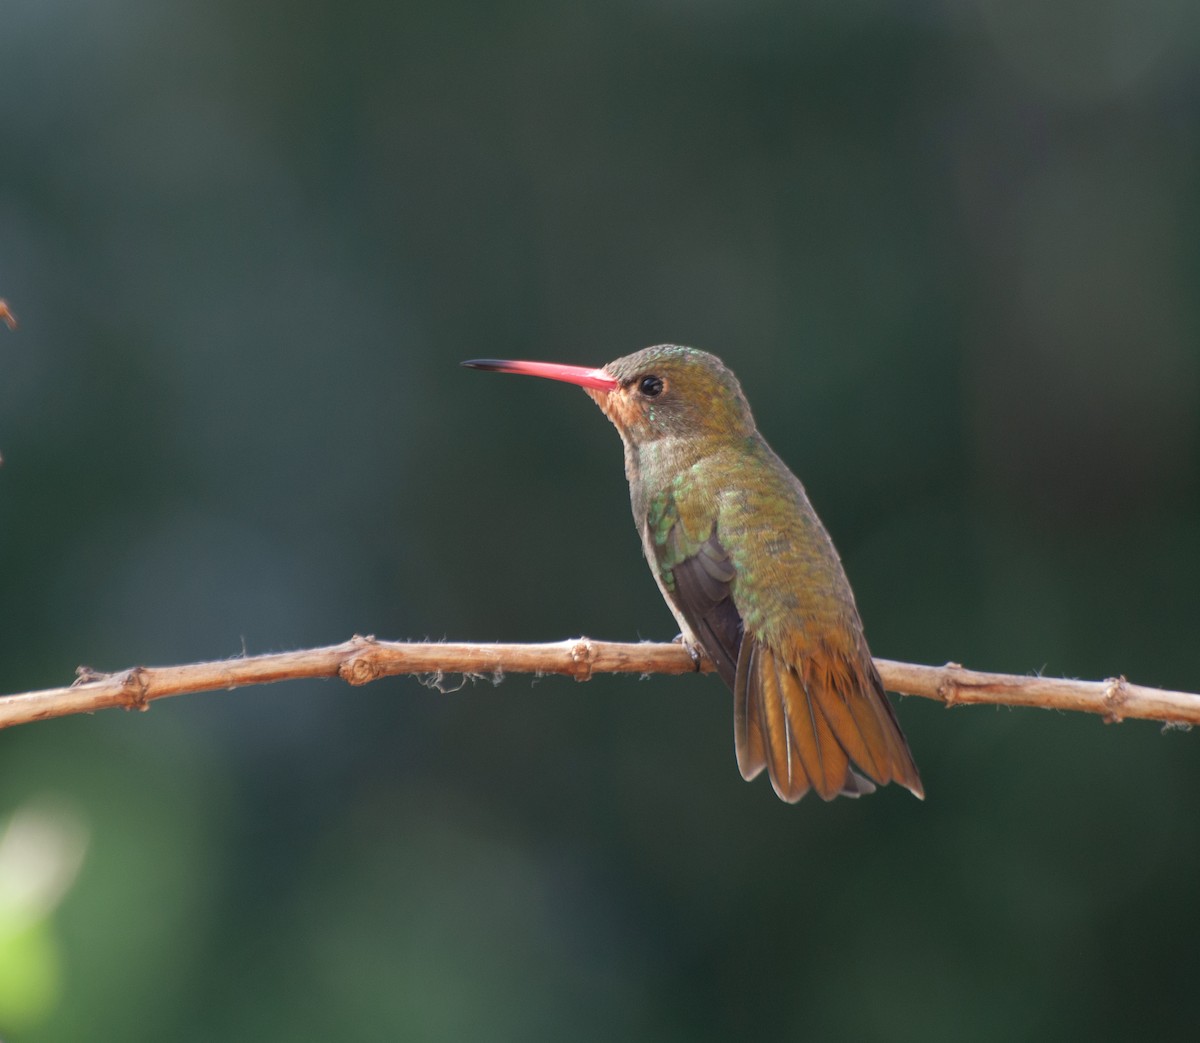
{"type": "Point", "coordinates": [698, 578]}
{"type": "Point", "coordinates": [804, 708]}
{"type": "Point", "coordinates": [701, 585]}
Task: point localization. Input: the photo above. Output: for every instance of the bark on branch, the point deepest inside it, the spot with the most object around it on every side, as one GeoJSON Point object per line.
{"type": "Point", "coordinates": [363, 659]}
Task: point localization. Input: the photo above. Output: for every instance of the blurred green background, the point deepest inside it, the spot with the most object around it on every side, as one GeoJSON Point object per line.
{"type": "Point", "coordinates": [952, 251]}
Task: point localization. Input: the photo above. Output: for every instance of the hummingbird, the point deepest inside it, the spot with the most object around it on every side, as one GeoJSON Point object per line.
{"type": "Point", "coordinates": [748, 571]}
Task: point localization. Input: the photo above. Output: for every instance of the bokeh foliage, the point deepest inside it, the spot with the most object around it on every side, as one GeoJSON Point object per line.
{"type": "Point", "coordinates": [951, 250]}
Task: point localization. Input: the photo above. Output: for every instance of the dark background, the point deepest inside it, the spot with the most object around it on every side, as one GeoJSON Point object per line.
{"type": "Point", "coordinates": [951, 249]}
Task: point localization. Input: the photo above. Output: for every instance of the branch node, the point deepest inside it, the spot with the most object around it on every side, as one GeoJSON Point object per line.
{"type": "Point", "coordinates": [359, 669]}
{"type": "Point", "coordinates": [947, 689]}
{"type": "Point", "coordinates": [1116, 694]}
{"type": "Point", "coordinates": [135, 688]}
{"type": "Point", "coordinates": [361, 666]}
{"type": "Point", "coordinates": [583, 655]}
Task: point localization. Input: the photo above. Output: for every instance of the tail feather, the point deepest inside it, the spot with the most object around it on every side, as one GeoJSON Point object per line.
{"type": "Point", "coordinates": [825, 761]}
{"type": "Point", "coordinates": [854, 721]}
{"type": "Point", "coordinates": [787, 770]}
{"type": "Point", "coordinates": [808, 723]}
{"type": "Point", "coordinates": [747, 725]}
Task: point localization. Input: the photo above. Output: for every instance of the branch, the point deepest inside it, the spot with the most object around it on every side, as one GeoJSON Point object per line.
{"type": "Point", "coordinates": [363, 659]}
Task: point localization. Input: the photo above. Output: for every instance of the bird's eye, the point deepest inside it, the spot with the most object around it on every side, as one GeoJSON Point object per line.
{"type": "Point", "coordinates": [650, 386]}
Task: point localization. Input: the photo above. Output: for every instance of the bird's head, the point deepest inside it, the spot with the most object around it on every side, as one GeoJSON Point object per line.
{"type": "Point", "coordinates": [666, 391]}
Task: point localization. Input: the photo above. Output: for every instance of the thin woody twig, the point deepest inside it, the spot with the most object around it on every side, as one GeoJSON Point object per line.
{"type": "Point", "coordinates": [364, 659]}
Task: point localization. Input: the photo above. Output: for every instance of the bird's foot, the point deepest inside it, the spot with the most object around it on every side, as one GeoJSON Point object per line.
{"type": "Point", "coordinates": [693, 651]}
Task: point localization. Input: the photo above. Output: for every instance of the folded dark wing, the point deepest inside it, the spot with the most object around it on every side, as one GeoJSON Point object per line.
{"type": "Point", "coordinates": [703, 593]}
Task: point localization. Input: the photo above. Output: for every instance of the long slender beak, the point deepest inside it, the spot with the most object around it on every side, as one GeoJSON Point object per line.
{"type": "Point", "coordinates": [581, 375]}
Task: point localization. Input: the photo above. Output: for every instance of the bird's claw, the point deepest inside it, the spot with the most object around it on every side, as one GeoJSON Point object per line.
{"type": "Point", "coordinates": [693, 651]}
